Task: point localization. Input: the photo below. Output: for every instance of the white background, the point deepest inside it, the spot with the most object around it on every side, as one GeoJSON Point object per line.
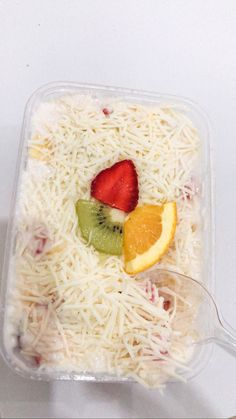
{"type": "Point", "coordinates": [183, 47]}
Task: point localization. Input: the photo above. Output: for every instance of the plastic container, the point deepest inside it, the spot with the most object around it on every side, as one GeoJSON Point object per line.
{"type": "Point", "coordinates": [55, 90]}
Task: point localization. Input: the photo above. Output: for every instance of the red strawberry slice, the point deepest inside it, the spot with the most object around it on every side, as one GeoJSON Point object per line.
{"type": "Point", "coordinates": [117, 186]}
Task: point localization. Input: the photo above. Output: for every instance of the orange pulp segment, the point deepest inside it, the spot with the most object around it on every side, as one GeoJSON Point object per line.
{"type": "Point", "coordinates": [148, 232]}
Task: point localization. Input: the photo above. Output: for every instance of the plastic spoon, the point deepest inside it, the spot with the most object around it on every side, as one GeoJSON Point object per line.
{"type": "Point", "coordinates": [218, 330]}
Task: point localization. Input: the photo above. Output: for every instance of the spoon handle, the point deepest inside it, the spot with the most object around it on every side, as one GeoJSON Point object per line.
{"type": "Point", "coordinates": [225, 338]}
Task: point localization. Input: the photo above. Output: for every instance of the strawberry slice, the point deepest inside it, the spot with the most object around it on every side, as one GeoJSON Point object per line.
{"type": "Point", "coordinates": [117, 186]}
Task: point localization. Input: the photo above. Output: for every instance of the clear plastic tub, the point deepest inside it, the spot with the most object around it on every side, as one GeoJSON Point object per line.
{"type": "Point", "coordinates": [55, 90]}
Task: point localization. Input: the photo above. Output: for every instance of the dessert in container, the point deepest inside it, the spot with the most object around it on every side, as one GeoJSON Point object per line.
{"type": "Point", "coordinates": [105, 94]}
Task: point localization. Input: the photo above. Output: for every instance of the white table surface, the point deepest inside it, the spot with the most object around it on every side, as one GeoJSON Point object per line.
{"type": "Point", "coordinates": [185, 47]}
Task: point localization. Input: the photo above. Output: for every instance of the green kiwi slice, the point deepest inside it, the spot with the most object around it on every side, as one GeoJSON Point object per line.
{"type": "Point", "coordinates": [98, 228]}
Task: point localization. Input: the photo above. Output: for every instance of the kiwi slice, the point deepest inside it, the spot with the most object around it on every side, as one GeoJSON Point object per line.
{"type": "Point", "coordinates": [98, 228]}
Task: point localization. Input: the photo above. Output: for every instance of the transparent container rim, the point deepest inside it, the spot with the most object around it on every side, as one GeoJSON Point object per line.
{"type": "Point", "coordinates": [56, 85]}
{"type": "Point", "coordinates": [148, 96]}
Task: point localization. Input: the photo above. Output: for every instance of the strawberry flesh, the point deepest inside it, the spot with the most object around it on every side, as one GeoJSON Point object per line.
{"type": "Point", "coordinates": [117, 186]}
{"type": "Point", "coordinates": [37, 359]}
{"type": "Point", "coordinates": [106, 111]}
{"type": "Point", "coordinates": [166, 305]}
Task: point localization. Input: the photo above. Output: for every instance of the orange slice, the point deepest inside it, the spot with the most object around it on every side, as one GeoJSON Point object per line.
{"type": "Point", "coordinates": [148, 232]}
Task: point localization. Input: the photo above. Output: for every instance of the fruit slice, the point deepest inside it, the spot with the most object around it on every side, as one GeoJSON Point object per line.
{"type": "Point", "coordinates": [117, 186]}
{"type": "Point", "coordinates": [148, 232]}
{"type": "Point", "coordinates": [98, 228]}
{"type": "Point", "coordinates": [41, 151]}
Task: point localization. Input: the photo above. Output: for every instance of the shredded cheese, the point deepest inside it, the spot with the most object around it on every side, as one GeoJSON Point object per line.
{"type": "Point", "coordinates": [75, 309]}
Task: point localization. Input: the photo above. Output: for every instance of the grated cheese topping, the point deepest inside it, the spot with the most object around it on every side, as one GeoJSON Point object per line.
{"type": "Point", "coordinates": [71, 308]}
